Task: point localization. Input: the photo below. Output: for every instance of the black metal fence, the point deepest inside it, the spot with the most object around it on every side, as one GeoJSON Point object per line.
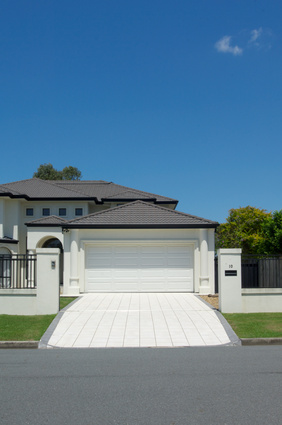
{"type": "Point", "coordinates": [216, 275]}
{"type": "Point", "coordinates": [261, 272]}
{"type": "Point", "coordinates": [17, 271]}
{"type": "Point", "coordinates": [257, 272]}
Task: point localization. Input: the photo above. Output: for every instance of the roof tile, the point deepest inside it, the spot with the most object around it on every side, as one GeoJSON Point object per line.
{"type": "Point", "coordinates": [140, 214]}
{"type": "Point", "coordinates": [50, 220]}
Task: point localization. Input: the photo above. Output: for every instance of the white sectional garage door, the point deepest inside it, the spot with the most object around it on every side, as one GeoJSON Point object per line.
{"type": "Point", "coordinates": [139, 268]}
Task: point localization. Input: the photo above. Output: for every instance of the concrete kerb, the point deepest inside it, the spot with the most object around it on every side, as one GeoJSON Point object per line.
{"type": "Point", "coordinates": [19, 344]}
{"type": "Point", "coordinates": [261, 341]}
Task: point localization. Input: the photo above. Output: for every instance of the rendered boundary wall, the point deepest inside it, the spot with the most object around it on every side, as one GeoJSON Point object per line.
{"type": "Point", "coordinates": [234, 299]}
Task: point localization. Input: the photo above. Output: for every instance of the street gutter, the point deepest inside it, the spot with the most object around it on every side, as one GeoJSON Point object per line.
{"type": "Point", "coordinates": [244, 342]}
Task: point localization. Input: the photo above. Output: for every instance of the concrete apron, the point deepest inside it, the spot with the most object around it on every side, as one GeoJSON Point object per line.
{"type": "Point", "coordinates": [138, 320]}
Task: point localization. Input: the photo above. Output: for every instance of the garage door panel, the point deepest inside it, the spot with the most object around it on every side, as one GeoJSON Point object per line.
{"type": "Point", "coordinates": [179, 273]}
{"type": "Point", "coordinates": [139, 268]}
{"type": "Point", "coordinates": [124, 262]}
{"type": "Point", "coordinates": [152, 262]}
{"type": "Point", "coordinates": [126, 248]}
{"type": "Point", "coordinates": [152, 273]}
{"type": "Point", "coordinates": [125, 274]}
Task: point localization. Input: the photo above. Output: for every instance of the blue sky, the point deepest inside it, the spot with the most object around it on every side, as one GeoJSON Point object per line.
{"type": "Point", "coordinates": [180, 98]}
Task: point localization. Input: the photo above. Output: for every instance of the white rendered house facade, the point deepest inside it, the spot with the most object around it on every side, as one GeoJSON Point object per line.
{"type": "Point", "coordinates": [112, 238]}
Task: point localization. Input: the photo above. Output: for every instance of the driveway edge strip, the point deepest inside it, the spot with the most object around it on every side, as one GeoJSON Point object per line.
{"type": "Point", "coordinates": [43, 343]}
{"type": "Point", "coordinates": [234, 339]}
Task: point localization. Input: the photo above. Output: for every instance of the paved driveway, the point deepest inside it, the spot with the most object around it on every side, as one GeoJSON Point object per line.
{"type": "Point", "coordinates": [138, 320]}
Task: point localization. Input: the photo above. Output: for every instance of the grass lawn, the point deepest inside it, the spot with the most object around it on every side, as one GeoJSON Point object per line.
{"type": "Point", "coordinates": [27, 328]}
{"type": "Point", "coordinates": [256, 325]}
{"type": "Point", "coordinates": [64, 301]}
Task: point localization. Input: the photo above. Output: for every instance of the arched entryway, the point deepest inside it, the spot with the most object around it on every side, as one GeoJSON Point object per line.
{"type": "Point", "coordinates": [56, 243]}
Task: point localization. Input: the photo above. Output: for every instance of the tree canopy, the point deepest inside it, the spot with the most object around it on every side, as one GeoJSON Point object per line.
{"type": "Point", "coordinates": [252, 229]}
{"type": "Point", "coordinates": [273, 234]}
{"type": "Point", "coordinates": [48, 172]}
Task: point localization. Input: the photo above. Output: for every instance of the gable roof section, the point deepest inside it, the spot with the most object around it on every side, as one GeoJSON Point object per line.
{"type": "Point", "coordinates": [140, 214]}
{"type": "Point", "coordinates": [104, 191]}
{"type": "Point", "coordinates": [97, 190]}
{"type": "Point", "coordinates": [51, 220]}
{"type": "Point", "coordinates": [130, 195]}
{"type": "Point", "coordinates": [38, 189]}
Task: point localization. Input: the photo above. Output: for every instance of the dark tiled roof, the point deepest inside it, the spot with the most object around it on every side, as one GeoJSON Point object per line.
{"type": "Point", "coordinates": [140, 214]}
{"type": "Point", "coordinates": [39, 189]}
{"type": "Point", "coordinates": [51, 220]}
{"type": "Point", "coordinates": [74, 189]}
{"type": "Point", "coordinates": [130, 194]}
{"type": "Point", "coordinates": [108, 191]}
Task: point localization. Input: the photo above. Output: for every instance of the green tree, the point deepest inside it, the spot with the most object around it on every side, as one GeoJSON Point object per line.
{"type": "Point", "coordinates": [71, 173]}
{"type": "Point", "coordinates": [48, 172]}
{"type": "Point", "coordinates": [273, 234]}
{"type": "Point", "coordinates": [244, 228]}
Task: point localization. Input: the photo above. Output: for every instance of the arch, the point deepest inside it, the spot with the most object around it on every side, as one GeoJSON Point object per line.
{"type": "Point", "coordinates": [5, 251]}
{"type": "Point", "coordinates": [53, 243]}
{"type": "Point", "coordinates": [46, 241]}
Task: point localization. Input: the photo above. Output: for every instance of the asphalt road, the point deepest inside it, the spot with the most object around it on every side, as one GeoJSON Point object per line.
{"type": "Point", "coordinates": [174, 386]}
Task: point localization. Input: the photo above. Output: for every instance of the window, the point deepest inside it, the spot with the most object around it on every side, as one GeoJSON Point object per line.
{"type": "Point", "coordinates": [62, 211]}
{"type": "Point", "coordinates": [45, 211]}
{"type": "Point", "coordinates": [29, 211]}
{"type": "Point", "coordinates": [78, 211]}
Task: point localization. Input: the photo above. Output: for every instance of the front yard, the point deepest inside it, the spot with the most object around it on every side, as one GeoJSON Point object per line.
{"type": "Point", "coordinates": [27, 328]}
{"type": "Point", "coordinates": [31, 328]}
{"type": "Point", "coordinates": [256, 325]}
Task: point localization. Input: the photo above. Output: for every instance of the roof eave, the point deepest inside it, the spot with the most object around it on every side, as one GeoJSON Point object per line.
{"type": "Point", "coordinates": [9, 241]}
{"type": "Point", "coordinates": [141, 226]}
{"type": "Point", "coordinates": [128, 199]}
{"type": "Point", "coordinates": [44, 225]}
{"type": "Point", "coordinates": [46, 198]}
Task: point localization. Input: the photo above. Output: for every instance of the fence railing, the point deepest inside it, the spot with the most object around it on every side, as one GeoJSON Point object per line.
{"type": "Point", "coordinates": [257, 272]}
{"type": "Point", "coordinates": [216, 275]}
{"type": "Point", "coordinates": [261, 272]}
{"type": "Point", "coordinates": [17, 271]}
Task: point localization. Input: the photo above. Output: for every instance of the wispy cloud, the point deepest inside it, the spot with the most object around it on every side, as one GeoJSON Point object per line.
{"type": "Point", "coordinates": [258, 38]}
{"type": "Point", "coordinates": [224, 45]}
{"type": "Point", "coordinates": [255, 35]}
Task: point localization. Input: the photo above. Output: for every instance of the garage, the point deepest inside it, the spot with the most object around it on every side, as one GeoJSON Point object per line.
{"type": "Point", "coordinates": [137, 267]}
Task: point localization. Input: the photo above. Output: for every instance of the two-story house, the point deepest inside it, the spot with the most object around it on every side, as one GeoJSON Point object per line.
{"type": "Point", "coordinates": [112, 238]}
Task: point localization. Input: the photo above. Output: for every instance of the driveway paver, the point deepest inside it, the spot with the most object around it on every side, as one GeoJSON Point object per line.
{"type": "Point", "coordinates": [138, 320]}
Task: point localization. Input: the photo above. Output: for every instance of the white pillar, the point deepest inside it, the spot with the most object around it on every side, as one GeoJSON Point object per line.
{"type": "Point", "coordinates": [17, 212]}
{"type": "Point", "coordinates": [48, 260]}
{"type": "Point", "coordinates": [211, 233]}
{"type": "Point", "coordinates": [204, 287]}
{"type": "Point", "coordinates": [229, 280]}
{"type": "Point", "coordinates": [2, 217]}
{"type": "Point", "coordinates": [74, 278]}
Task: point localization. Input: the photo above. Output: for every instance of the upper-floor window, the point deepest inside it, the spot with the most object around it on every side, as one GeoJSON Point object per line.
{"type": "Point", "coordinates": [29, 211]}
{"type": "Point", "coordinates": [62, 211]}
{"type": "Point", "coordinates": [78, 211]}
{"type": "Point", "coordinates": [45, 211]}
